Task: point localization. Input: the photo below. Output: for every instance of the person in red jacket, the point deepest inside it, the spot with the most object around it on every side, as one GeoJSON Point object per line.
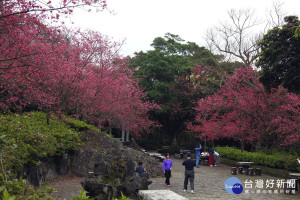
{"type": "Point", "coordinates": [211, 159]}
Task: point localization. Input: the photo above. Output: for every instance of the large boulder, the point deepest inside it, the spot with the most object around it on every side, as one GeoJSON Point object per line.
{"type": "Point", "coordinates": [34, 176]}
{"type": "Point", "coordinates": [97, 189]}
{"type": "Point", "coordinates": [113, 167]}
{"type": "Point", "coordinates": [132, 185]}
{"type": "Point", "coordinates": [49, 168]}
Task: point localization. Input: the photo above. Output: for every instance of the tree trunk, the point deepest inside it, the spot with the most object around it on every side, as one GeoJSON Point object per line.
{"type": "Point", "coordinates": [174, 141]}
{"type": "Point", "coordinates": [110, 132]}
{"type": "Point", "coordinates": [48, 117]}
{"type": "Point", "coordinates": [242, 146]}
{"type": "Point", "coordinates": [123, 135]}
{"type": "Point", "coordinates": [258, 145]}
{"type": "Point", "coordinates": [158, 139]}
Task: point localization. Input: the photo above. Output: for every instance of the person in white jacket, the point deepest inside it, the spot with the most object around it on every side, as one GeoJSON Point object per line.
{"type": "Point", "coordinates": [217, 160]}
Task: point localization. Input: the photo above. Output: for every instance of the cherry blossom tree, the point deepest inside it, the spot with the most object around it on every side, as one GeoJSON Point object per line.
{"type": "Point", "coordinates": [244, 112]}
{"type": "Point", "coordinates": [48, 7]}
{"type": "Point", "coordinates": [79, 73]}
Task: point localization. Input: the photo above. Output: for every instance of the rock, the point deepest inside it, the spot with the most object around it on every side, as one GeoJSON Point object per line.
{"type": "Point", "coordinates": [132, 186]}
{"type": "Point", "coordinates": [114, 165]}
{"type": "Point", "coordinates": [50, 174]}
{"type": "Point", "coordinates": [129, 166]}
{"type": "Point", "coordinates": [63, 165]}
{"type": "Point", "coordinates": [82, 163]}
{"type": "Point", "coordinates": [97, 189]}
{"type": "Point", "coordinates": [100, 166]}
{"type": "Point", "coordinates": [34, 176]}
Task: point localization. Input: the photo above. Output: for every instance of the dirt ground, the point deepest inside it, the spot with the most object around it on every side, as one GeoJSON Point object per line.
{"type": "Point", "coordinates": [66, 187]}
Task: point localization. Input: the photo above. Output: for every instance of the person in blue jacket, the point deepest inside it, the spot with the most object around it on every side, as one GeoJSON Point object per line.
{"type": "Point", "coordinates": [140, 169]}
{"type": "Point", "coordinates": [197, 151]}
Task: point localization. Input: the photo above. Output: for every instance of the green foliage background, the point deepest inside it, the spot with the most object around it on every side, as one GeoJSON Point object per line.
{"type": "Point", "coordinates": [279, 57]}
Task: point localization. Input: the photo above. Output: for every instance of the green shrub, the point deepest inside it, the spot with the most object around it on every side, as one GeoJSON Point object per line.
{"type": "Point", "coordinates": [35, 139]}
{"type": "Point", "coordinates": [290, 164]}
{"type": "Point", "coordinates": [79, 125]}
{"type": "Point", "coordinates": [26, 140]}
{"type": "Point", "coordinates": [278, 160]}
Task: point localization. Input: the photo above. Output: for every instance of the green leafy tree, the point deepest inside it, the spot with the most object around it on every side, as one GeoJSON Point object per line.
{"type": "Point", "coordinates": [280, 56]}
{"type": "Point", "coordinates": [172, 76]}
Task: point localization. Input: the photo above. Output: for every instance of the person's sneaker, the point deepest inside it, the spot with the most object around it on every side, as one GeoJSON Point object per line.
{"type": "Point", "coordinates": [192, 191]}
{"type": "Point", "coordinates": [216, 165]}
{"type": "Point", "coordinates": [184, 190]}
{"type": "Point", "coordinates": [211, 165]}
{"type": "Point", "coordinates": [168, 185]}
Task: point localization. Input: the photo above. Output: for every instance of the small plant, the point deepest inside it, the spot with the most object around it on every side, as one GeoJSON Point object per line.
{"type": "Point", "coordinates": [6, 195]}
{"type": "Point", "coordinates": [82, 196]}
{"type": "Point", "coordinates": [17, 189]}
{"type": "Point", "coordinates": [123, 197]}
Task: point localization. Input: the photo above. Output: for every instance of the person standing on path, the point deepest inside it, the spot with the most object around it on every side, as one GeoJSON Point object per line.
{"type": "Point", "coordinates": [167, 167]}
{"type": "Point", "coordinates": [197, 151]}
{"type": "Point", "coordinates": [211, 158]}
{"type": "Point", "coordinates": [189, 172]}
{"type": "Point", "coordinates": [217, 155]}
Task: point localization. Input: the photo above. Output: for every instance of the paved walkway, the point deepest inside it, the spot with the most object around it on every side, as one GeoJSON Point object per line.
{"type": "Point", "coordinates": [160, 195]}
{"type": "Point", "coordinates": [209, 184]}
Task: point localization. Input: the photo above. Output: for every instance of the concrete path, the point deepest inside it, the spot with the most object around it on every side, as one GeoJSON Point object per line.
{"type": "Point", "coordinates": [160, 195]}
{"type": "Point", "coordinates": [209, 184]}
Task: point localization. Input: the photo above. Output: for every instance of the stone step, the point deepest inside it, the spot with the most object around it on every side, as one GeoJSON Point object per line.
{"type": "Point", "coordinates": [160, 195]}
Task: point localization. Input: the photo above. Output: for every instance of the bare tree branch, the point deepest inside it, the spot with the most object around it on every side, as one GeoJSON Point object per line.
{"type": "Point", "coordinates": [237, 39]}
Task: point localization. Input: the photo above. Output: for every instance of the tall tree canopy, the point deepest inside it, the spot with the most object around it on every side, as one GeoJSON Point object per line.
{"type": "Point", "coordinates": [280, 56]}
{"type": "Point", "coordinates": [175, 74]}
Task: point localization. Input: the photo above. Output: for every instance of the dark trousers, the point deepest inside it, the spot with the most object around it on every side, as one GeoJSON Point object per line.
{"type": "Point", "coordinates": [168, 175]}
{"type": "Point", "coordinates": [189, 174]}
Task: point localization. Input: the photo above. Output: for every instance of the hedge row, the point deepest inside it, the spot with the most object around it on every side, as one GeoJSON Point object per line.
{"type": "Point", "coordinates": [278, 160]}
